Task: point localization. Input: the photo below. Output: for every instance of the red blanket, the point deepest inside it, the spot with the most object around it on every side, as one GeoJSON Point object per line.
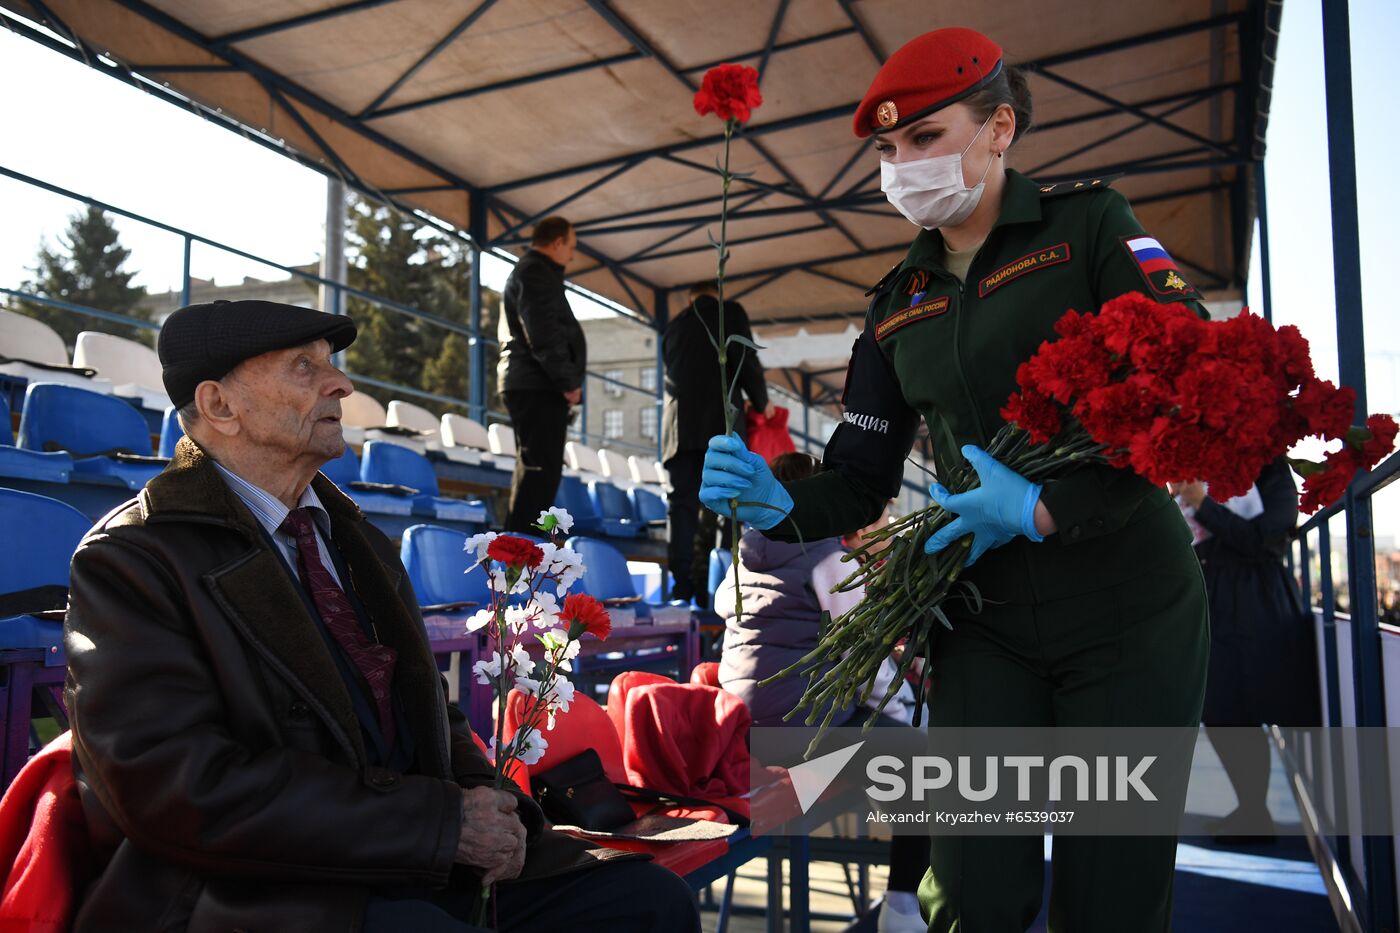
{"type": "Point", "coordinates": [44, 839]}
{"type": "Point", "coordinates": [687, 739]}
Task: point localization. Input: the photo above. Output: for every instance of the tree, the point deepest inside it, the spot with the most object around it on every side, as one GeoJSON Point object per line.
{"type": "Point", "coordinates": [87, 271]}
{"type": "Point", "coordinates": [397, 258]}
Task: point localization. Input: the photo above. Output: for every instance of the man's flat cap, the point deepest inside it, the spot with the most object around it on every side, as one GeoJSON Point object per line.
{"type": "Point", "coordinates": [206, 341]}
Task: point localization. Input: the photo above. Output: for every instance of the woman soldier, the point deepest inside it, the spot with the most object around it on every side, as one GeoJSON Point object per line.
{"type": "Point", "coordinates": [1096, 611]}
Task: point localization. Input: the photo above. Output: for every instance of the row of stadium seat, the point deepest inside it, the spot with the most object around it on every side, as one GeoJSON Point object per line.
{"type": "Point", "coordinates": [101, 362]}
{"type": "Point", "coordinates": [67, 431]}
{"type": "Point", "coordinates": [115, 365]}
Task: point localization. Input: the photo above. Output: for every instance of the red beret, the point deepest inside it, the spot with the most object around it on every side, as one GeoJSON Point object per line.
{"type": "Point", "coordinates": [926, 74]}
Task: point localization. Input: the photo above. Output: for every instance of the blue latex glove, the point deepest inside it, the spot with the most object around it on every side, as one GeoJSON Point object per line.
{"type": "Point", "coordinates": [732, 471]}
{"type": "Point", "coordinates": [993, 513]}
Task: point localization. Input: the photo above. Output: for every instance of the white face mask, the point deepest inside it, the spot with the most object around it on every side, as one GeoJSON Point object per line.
{"type": "Point", "coordinates": [931, 192]}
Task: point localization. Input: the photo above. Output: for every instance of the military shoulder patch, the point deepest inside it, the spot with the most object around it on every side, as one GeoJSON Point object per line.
{"type": "Point", "coordinates": [1076, 187]}
{"type": "Point", "coordinates": [1158, 269]}
{"type": "Point", "coordinates": [909, 315]}
{"type": "Point", "coordinates": [1031, 262]}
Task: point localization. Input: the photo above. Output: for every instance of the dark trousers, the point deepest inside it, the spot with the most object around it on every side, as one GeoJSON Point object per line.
{"type": "Point", "coordinates": [541, 422]}
{"type": "Point", "coordinates": [1128, 655]}
{"type": "Point", "coordinates": [620, 897]}
{"type": "Point", "coordinates": [690, 528]}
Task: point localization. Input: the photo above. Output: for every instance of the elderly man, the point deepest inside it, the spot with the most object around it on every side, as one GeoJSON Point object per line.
{"type": "Point", "coordinates": [260, 731]}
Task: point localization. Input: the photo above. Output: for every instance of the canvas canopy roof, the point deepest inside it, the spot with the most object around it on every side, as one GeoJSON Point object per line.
{"type": "Point", "coordinates": [489, 114]}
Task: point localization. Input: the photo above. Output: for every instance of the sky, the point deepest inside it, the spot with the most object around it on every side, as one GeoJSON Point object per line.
{"type": "Point", "coordinates": [78, 129]}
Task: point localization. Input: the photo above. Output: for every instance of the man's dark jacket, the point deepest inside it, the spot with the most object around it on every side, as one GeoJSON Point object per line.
{"type": "Point", "coordinates": [694, 409]}
{"type": "Point", "coordinates": [220, 762]}
{"type": "Point", "coordinates": [546, 348]}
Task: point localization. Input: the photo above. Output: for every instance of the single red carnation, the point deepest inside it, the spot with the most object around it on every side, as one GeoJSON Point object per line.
{"type": "Point", "coordinates": [515, 552]}
{"type": "Point", "coordinates": [1297, 361]}
{"type": "Point", "coordinates": [582, 613]}
{"type": "Point", "coordinates": [1326, 408]}
{"type": "Point", "coordinates": [1382, 442]}
{"type": "Point", "coordinates": [1322, 489]}
{"type": "Point", "coordinates": [730, 92]}
{"type": "Point", "coordinates": [1035, 413]}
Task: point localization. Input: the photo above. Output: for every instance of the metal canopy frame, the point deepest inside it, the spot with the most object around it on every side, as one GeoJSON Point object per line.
{"type": "Point", "coordinates": [495, 219]}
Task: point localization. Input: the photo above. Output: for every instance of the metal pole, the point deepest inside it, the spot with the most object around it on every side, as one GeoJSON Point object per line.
{"type": "Point", "coordinates": [662, 316]}
{"type": "Point", "coordinates": [807, 412]}
{"type": "Point", "coordinates": [1265, 275]}
{"type": "Point", "coordinates": [333, 266]}
{"type": "Point", "coordinates": [185, 274]}
{"type": "Point", "coordinates": [476, 388]}
{"type": "Point", "coordinates": [1379, 851]}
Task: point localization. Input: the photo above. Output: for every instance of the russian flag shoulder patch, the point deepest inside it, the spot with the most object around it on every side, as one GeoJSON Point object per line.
{"type": "Point", "coordinates": [1158, 269]}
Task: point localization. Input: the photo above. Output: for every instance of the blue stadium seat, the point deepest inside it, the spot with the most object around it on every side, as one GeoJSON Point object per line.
{"type": "Point", "coordinates": [18, 463]}
{"type": "Point", "coordinates": [35, 577]}
{"type": "Point", "coordinates": [383, 462]}
{"type": "Point", "coordinates": [170, 432]}
{"type": "Point", "coordinates": [614, 510]}
{"type": "Point", "coordinates": [344, 469]}
{"type": "Point", "coordinates": [436, 563]}
{"type": "Point", "coordinates": [573, 497]}
{"type": "Point", "coordinates": [647, 507]}
{"type": "Point", "coordinates": [93, 428]}
{"type": "Point", "coordinates": [605, 574]}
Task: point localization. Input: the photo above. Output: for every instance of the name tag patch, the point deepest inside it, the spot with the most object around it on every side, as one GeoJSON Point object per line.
{"type": "Point", "coordinates": [1049, 256]}
{"type": "Point", "coordinates": [909, 315]}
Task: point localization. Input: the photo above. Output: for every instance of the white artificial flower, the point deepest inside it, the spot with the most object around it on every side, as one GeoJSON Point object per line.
{"type": "Point", "coordinates": [520, 659]}
{"type": "Point", "coordinates": [564, 520]}
{"type": "Point", "coordinates": [545, 608]}
{"type": "Point", "coordinates": [480, 543]}
{"type": "Point", "coordinates": [557, 643]}
{"type": "Point", "coordinates": [546, 562]}
{"type": "Point", "coordinates": [532, 747]}
{"type": "Point", "coordinates": [496, 580]}
{"type": "Point", "coordinates": [479, 620]}
{"type": "Point", "coordinates": [562, 694]}
{"type": "Point", "coordinates": [526, 685]}
{"type": "Point", "coordinates": [518, 618]}
{"type": "Point", "coordinates": [488, 670]}
{"type": "Point", "coordinates": [568, 568]}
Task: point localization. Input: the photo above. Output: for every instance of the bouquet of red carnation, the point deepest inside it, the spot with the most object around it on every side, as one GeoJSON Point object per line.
{"type": "Point", "coordinates": [1140, 386]}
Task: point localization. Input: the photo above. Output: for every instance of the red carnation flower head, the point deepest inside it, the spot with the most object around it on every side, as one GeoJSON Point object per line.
{"type": "Point", "coordinates": [730, 92]}
{"type": "Point", "coordinates": [515, 552]}
{"type": "Point", "coordinates": [582, 613]}
{"type": "Point", "coordinates": [1326, 408]}
{"type": "Point", "coordinates": [1035, 413]}
{"type": "Point", "coordinates": [1326, 487]}
{"type": "Point", "coordinates": [1377, 440]}
{"type": "Point", "coordinates": [1297, 361]}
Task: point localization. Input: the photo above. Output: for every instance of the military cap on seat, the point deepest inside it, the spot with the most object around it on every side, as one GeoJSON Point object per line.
{"type": "Point", "coordinates": [206, 341]}
{"type": "Point", "coordinates": [927, 74]}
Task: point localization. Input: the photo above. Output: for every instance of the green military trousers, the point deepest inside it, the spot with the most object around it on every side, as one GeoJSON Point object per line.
{"type": "Point", "coordinates": [1132, 654]}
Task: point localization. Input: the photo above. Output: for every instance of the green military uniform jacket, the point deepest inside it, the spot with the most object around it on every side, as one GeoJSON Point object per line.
{"type": "Point", "coordinates": [936, 348]}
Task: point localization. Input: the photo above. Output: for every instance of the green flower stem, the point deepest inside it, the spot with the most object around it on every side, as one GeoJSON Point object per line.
{"type": "Point", "coordinates": [726, 180]}
{"type": "Point", "coordinates": [905, 590]}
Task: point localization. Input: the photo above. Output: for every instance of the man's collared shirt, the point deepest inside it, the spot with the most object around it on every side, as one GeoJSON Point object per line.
{"type": "Point", "coordinates": [271, 513]}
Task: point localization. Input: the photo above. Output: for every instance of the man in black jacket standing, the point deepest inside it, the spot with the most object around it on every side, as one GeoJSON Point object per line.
{"type": "Point", "coordinates": [543, 359]}
{"type": "Point", "coordinates": [693, 414]}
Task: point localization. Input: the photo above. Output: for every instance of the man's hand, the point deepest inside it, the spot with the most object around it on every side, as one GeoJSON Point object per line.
{"type": "Point", "coordinates": [770, 410]}
{"type": "Point", "coordinates": [492, 837]}
{"type": "Point", "coordinates": [574, 396]}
